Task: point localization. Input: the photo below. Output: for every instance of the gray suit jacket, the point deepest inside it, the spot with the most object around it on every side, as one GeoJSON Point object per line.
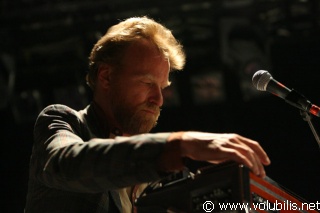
{"type": "Point", "coordinates": [76, 167]}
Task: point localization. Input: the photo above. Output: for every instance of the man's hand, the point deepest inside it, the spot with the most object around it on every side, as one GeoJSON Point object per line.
{"type": "Point", "coordinates": [217, 148]}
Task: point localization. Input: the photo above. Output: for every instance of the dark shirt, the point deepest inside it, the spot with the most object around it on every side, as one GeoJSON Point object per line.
{"type": "Point", "coordinates": [76, 167]}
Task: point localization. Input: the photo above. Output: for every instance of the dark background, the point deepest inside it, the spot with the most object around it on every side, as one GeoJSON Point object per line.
{"type": "Point", "coordinates": [45, 44]}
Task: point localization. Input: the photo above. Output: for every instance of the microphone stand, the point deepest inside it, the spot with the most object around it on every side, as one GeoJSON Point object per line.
{"type": "Point", "coordinates": [306, 116]}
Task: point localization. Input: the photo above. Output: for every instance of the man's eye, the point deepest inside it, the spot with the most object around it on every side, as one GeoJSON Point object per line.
{"type": "Point", "coordinates": [147, 82]}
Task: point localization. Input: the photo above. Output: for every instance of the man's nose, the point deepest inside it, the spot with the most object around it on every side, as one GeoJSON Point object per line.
{"type": "Point", "coordinates": [156, 96]}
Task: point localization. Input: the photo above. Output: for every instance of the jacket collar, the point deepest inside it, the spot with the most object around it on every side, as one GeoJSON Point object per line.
{"type": "Point", "coordinates": [96, 119]}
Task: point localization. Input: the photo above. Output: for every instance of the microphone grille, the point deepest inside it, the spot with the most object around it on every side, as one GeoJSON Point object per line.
{"type": "Point", "coordinates": [261, 79]}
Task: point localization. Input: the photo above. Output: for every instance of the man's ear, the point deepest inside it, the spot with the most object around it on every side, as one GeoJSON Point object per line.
{"type": "Point", "coordinates": [104, 72]}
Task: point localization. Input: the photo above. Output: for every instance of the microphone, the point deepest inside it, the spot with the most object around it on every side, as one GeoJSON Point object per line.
{"type": "Point", "coordinates": [263, 81]}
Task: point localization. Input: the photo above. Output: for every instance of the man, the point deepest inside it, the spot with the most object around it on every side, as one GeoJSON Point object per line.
{"type": "Point", "coordinates": [90, 161]}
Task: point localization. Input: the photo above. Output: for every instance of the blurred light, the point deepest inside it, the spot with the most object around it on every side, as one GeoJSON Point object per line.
{"type": "Point", "coordinates": [208, 88]}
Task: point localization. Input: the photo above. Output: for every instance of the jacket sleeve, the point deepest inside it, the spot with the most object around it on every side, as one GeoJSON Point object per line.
{"type": "Point", "coordinates": [62, 160]}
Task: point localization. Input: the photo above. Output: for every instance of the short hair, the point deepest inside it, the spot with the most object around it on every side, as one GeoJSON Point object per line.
{"type": "Point", "coordinates": [110, 48]}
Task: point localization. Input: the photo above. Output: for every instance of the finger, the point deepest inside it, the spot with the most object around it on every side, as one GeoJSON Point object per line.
{"type": "Point", "coordinates": [246, 151]}
{"type": "Point", "coordinates": [262, 172]}
{"type": "Point", "coordinates": [248, 159]}
{"type": "Point", "coordinates": [226, 153]}
{"type": "Point", "coordinates": [255, 146]}
{"type": "Point", "coordinates": [236, 156]}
